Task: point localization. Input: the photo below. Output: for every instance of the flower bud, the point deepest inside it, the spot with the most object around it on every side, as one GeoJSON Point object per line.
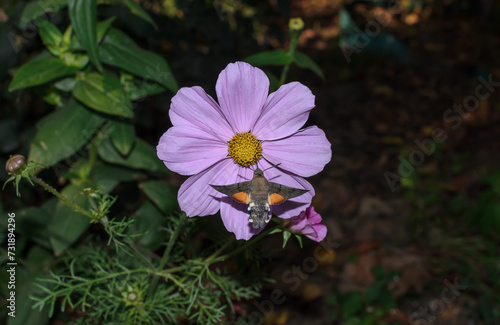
{"type": "Point", "coordinates": [308, 223]}
{"type": "Point", "coordinates": [296, 25]}
{"type": "Point", "coordinates": [15, 165]}
{"type": "Point", "coordinates": [132, 297]}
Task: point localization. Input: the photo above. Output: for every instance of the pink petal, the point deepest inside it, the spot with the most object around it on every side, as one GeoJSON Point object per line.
{"type": "Point", "coordinates": [197, 198]}
{"type": "Point", "coordinates": [304, 153]}
{"type": "Point", "coordinates": [234, 214]}
{"type": "Point", "coordinates": [298, 223]}
{"type": "Point", "coordinates": [292, 207]}
{"type": "Point", "coordinates": [285, 111]}
{"type": "Point", "coordinates": [187, 150]}
{"type": "Point", "coordinates": [312, 216]}
{"type": "Point", "coordinates": [309, 231]}
{"type": "Point", "coordinates": [321, 231]}
{"type": "Point", "coordinates": [242, 91]}
{"type": "Point", "coordinates": [193, 107]}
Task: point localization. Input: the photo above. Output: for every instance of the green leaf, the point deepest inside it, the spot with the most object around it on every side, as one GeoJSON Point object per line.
{"type": "Point", "coordinates": [386, 299]}
{"type": "Point", "coordinates": [66, 84]}
{"type": "Point", "coordinates": [66, 39]}
{"type": "Point", "coordinates": [51, 36]}
{"type": "Point", "coordinates": [121, 174]}
{"type": "Point", "coordinates": [103, 27]}
{"type": "Point", "coordinates": [119, 50]}
{"type": "Point", "coordinates": [78, 60]}
{"type": "Point", "coordinates": [373, 293]}
{"type": "Point", "coordinates": [306, 62]}
{"type": "Point", "coordinates": [352, 303]}
{"type": "Point", "coordinates": [286, 237]}
{"type": "Point", "coordinates": [50, 94]}
{"type": "Point", "coordinates": [122, 135]}
{"type": "Point", "coordinates": [83, 16]}
{"type": "Point", "coordinates": [136, 88]}
{"type": "Point", "coordinates": [62, 133]}
{"type": "Point", "coordinates": [42, 55]}
{"type": "Point", "coordinates": [162, 193]}
{"type": "Point", "coordinates": [32, 223]}
{"type": "Point", "coordinates": [104, 93]}
{"type": "Point", "coordinates": [149, 222]}
{"type": "Point", "coordinates": [277, 57]}
{"type": "Point", "coordinates": [137, 10]}
{"type": "Point", "coordinates": [299, 239]}
{"type": "Point", "coordinates": [142, 156]}
{"type": "Point", "coordinates": [493, 178]}
{"type": "Point", "coordinates": [36, 9]}
{"type": "Point", "coordinates": [107, 176]}
{"type": "Point", "coordinates": [40, 71]}
{"type": "Point", "coordinates": [68, 225]}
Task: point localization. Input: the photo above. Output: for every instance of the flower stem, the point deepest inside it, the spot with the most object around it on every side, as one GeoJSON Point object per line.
{"type": "Point", "coordinates": [93, 156]}
{"type": "Point", "coordinates": [52, 190]}
{"type": "Point", "coordinates": [291, 52]}
{"type": "Point", "coordinates": [213, 257]}
{"type": "Point", "coordinates": [248, 244]}
{"type": "Point", "coordinates": [164, 259]}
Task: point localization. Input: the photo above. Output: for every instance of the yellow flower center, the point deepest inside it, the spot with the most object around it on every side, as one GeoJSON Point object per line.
{"type": "Point", "coordinates": [245, 149]}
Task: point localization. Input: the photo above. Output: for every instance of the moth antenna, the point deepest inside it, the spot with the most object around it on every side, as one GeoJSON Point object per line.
{"type": "Point", "coordinates": [272, 166]}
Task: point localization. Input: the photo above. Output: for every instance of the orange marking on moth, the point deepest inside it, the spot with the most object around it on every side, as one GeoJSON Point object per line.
{"type": "Point", "coordinates": [276, 199]}
{"type": "Point", "coordinates": [241, 197]}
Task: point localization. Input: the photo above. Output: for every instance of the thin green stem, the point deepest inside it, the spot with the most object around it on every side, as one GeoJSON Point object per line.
{"type": "Point", "coordinates": [209, 259]}
{"type": "Point", "coordinates": [136, 252]}
{"type": "Point", "coordinates": [164, 259]}
{"type": "Point", "coordinates": [248, 244]}
{"type": "Point", "coordinates": [93, 156]}
{"type": "Point", "coordinates": [291, 52]}
{"type": "Point", "coordinates": [176, 282]}
{"type": "Point", "coordinates": [164, 273]}
{"type": "Point", "coordinates": [52, 190]}
{"type": "Point", "coordinates": [79, 209]}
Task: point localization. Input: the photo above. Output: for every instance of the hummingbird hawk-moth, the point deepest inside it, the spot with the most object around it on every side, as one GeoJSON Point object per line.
{"type": "Point", "coordinates": [259, 194]}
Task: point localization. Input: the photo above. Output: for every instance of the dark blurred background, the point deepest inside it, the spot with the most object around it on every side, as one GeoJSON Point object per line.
{"type": "Point", "coordinates": [412, 195]}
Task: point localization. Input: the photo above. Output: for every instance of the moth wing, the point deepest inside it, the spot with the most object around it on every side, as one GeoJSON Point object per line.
{"type": "Point", "coordinates": [280, 193]}
{"type": "Point", "coordinates": [238, 191]}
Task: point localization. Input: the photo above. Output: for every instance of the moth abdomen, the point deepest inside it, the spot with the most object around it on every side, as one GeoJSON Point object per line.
{"type": "Point", "coordinates": [258, 215]}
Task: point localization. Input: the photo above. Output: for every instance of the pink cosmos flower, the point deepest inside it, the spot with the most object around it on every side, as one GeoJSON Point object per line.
{"type": "Point", "coordinates": [308, 223]}
{"type": "Point", "coordinates": [222, 143]}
